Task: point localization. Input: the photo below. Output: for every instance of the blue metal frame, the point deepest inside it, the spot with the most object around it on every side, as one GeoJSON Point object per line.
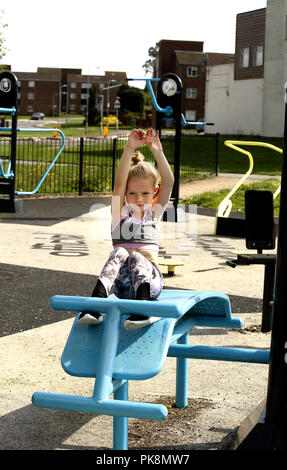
{"type": "Point", "coordinates": [168, 109]}
{"type": "Point", "coordinates": [106, 352]}
{"type": "Point", "coordinates": [8, 110]}
{"type": "Point", "coordinates": [8, 174]}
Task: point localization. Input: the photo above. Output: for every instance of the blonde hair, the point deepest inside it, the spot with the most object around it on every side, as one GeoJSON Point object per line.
{"type": "Point", "coordinates": [141, 169]}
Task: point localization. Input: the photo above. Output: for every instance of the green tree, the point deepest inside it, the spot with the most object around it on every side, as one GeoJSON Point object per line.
{"type": "Point", "coordinates": [150, 63]}
{"type": "Point", "coordinates": [3, 49]}
{"type": "Point", "coordinates": [132, 99]}
{"type": "Point", "coordinates": [93, 113]}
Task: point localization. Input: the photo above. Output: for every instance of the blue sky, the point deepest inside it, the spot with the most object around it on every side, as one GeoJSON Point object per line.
{"type": "Point", "coordinates": [97, 36]}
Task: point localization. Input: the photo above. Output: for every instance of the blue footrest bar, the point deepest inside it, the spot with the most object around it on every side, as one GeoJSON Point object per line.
{"type": "Point", "coordinates": [218, 353]}
{"type": "Point", "coordinates": [129, 409]}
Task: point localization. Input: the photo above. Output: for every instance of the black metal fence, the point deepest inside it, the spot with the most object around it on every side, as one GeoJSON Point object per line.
{"type": "Point", "coordinates": [88, 164]}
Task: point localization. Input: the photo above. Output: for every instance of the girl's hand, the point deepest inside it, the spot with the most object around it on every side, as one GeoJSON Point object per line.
{"type": "Point", "coordinates": [136, 139]}
{"type": "Point", "coordinates": [153, 141]}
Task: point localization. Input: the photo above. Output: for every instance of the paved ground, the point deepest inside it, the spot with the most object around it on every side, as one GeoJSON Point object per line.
{"type": "Point", "coordinates": [57, 246]}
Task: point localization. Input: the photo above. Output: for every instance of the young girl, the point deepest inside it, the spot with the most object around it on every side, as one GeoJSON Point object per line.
{"type": "Point", "coordinates": [131, 270]}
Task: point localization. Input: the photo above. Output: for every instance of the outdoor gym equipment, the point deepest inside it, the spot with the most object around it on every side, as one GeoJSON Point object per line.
{"type": "Point", "coordinates": [270, 432]}
{"type": "Point", "coordinates": [8, 102]}
{"type": "Point", "coordinates": [231, 225]}
{"type": "Point", "coordinates": [167, 104]}
{"type": "Point", "coordinates": [257, 228]}
{"type": "Point", "coordinates": [260, 235]}
{"type": "Point", "coordinates": [171, 264]}
{"type": "Point", "coordinates": [113, 356]}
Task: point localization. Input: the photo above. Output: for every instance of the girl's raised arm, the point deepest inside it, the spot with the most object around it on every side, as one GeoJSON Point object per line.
{"type": "Point", "coordinates": [166, 175]}
{"type": "Point", "coordinates": [135, 140]}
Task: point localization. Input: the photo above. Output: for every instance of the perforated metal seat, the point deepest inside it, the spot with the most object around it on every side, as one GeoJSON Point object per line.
{"type": "Point", "coordinates": [141, 353]}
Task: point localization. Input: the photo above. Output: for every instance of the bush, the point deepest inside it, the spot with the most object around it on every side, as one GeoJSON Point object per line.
{"type": "Point", "coordinates": [112, 120]}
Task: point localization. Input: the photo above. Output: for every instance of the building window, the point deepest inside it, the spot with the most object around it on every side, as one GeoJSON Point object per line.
{"type": "Point", "coordinates": [72, 107]}
{"type": "Point", "coordinates": [30, 109]}
{"type": "Point", "coordinates": [244, 57]}
{"type": "Point", "coordinates": [73, 96]}
{"type": "Point", "coordinates": [31, 83]}
{"type": "Point", "coordinates": [190, 115]}
{"type": "Point", "coordinates": [31, 96]}
{"type": "Point", "coordinates": [73, 85]}
{"type": "Point", "coordinates": [191, 93]}
{"type": "Point", "coordinates": [258, 56]}
{"type": "Point", "coordinates": [86, 85]}
{"type": "Point", "coordinates": [191, 71]}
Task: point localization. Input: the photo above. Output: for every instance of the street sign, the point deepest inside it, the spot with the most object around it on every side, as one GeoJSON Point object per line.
{"type": "Point", "coordinates": [117, 103]}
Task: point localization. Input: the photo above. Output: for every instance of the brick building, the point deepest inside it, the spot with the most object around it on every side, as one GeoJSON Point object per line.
{"type": "Point", "coordinates": [247, 97]}
{"type": "Point", "coordinates": [249, 45]}
{"type": "Point", "coordinates": [78, 86]}
{"type": "Point", "coordinates": [187, 60]}
{"type": "Point", "coordinates": [50, 89]}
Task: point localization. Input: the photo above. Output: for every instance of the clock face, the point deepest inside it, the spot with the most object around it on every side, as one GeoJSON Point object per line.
{"type": "Point", "coordinates": [169, 87]}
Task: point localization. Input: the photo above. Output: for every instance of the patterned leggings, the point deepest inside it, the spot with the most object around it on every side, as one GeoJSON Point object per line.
{"type": "Point", "coordinates": [123, 273]}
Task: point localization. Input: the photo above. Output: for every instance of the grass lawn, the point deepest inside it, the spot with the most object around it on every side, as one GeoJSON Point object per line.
{"type": "Point", "coordinates": [212, 199]}
{"type": "Point", "coordinates": [197, 157]}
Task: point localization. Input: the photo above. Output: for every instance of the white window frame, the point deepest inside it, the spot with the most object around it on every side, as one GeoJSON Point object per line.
{"type": "Point", "coordinates": [190, 115]}
{"type": "Point", "coordinates": [244, 57]}
{"type": "Point", "coordinates": [73, 85]}
{"type": "Point", "coordinates": [31, 96]}
{"type": "Point", "coordinates": [191, 71]}
{"type": "Point", "coordinates": [191, 93]}
{"type": "Point", "coordinates": [258, 56]}
{"type": "Point", "coordinates": [73, 96]}
{"type": "Point", "coordinates": [31, 83]}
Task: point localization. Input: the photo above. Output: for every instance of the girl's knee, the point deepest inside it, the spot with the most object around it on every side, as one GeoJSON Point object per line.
{"type": "Point", "coordinates": [136, 256]}
{"type": "Point", "coordinates": [120, 252]}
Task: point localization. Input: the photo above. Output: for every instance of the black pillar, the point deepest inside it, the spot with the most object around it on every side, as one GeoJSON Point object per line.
{"type": "Point", "coordinates": [170, 96]}
{"type": "Point", "coordinates": [276, 406]}
{"type": "Point", "coordinates": [9, 101]}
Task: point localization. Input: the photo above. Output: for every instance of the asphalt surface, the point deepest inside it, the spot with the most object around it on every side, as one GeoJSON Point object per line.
{"type": "Point", "coordinates": [34, 287]}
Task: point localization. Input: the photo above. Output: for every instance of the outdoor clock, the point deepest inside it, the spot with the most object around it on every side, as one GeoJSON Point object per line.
{"type": "Point", "coordinates": [169, 87]}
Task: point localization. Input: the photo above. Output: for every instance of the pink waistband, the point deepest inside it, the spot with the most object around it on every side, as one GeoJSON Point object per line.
{"type": "Point", "coordinates": [138, 246]}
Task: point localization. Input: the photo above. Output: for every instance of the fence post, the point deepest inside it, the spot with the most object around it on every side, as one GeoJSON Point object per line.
{"type": "Point", "coordinates": [216, 153]}
{"type": "Point", "coordinates": [115, 141]}
{"type": "Point", "coordinates": [81, 166]}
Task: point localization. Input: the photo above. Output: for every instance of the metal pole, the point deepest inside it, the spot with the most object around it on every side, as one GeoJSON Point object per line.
{"type": "Point", "coordinates": [276, 406]}
{"type": "Point", "coordinates": [114, 161]}
{"type": "Point", "coordinates": [182, 375]}
{"type": "Point", "coordinates": [120, 431]}
{"type": "Point", "coordinates": [81, 166]}
{"type": "Point", "coordinates": [216, 153]}
{"type": "Point", "coordinates": [175, 192]}
{"type": "Point", "coordinates": [60, 104]}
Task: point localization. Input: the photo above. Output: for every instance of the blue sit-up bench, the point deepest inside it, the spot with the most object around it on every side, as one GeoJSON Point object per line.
{"type": "Point", "coordinates": [113, 356]}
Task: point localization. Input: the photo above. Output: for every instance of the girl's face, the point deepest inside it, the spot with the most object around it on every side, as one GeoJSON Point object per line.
{"type": "Point", "coordinates": [140, 193]}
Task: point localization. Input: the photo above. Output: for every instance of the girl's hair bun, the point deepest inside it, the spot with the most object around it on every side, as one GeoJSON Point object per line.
{"type": "Point", "coordinates": [137, 158]}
